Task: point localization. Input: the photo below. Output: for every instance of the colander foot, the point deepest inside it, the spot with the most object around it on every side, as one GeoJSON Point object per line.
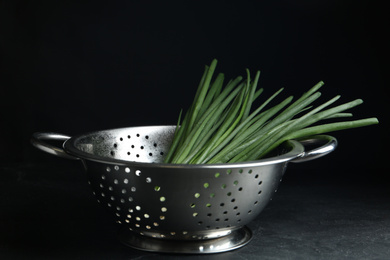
{"type": "Point", "coordinates": [236, 239]}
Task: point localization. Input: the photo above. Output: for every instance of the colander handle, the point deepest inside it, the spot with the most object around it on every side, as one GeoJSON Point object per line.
{"type": "Point", "coordinates": [329, 146]}
{"type": "Point", "coordinates": [39, 141]}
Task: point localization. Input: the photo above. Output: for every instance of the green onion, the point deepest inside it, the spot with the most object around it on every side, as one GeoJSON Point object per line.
{"type": "Point", "coordinates": [219, 127]}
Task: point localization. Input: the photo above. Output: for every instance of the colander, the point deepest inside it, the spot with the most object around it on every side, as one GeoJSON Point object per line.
{"type": "Point", "coordinates": [177, 208]}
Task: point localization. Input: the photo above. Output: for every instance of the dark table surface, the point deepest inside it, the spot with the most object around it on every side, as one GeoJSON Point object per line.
{"type": "Point", "coordinates": [47, 211]}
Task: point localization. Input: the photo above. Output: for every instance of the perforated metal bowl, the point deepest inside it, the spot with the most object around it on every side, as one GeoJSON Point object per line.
{"type": "Point", "coordinates": [177, 208]}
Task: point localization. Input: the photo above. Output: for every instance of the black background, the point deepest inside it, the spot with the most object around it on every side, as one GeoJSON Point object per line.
{"type": "Point", "coordinates": [78, 66]}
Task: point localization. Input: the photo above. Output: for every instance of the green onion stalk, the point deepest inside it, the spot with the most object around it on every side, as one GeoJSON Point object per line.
{"type": "Point", "coordinates": [223, 126]}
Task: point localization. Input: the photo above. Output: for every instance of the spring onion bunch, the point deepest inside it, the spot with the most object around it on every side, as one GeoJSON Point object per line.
{"type": "Point", "coordinates": [222, 126]}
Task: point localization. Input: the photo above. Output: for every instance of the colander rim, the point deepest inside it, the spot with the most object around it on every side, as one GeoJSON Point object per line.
{"type": "Point", "coordinates": [297, 150]}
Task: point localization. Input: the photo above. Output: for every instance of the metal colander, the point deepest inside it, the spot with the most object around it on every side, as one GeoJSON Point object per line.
{"type": "Point", "coordinates": [177, 208]}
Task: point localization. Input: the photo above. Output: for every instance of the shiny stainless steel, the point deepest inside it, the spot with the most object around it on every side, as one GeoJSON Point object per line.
{"type": "Point", "coordinates": [168, 203]}
{"type": "Point", "coordinates": [238, 238]}
{"type": "Point", "coordinates": [331, 144]}
{"type": "Point", "coordinates": [38, 141]}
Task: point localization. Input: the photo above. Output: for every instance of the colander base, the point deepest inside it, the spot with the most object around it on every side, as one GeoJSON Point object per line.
{"type": "Point", "coordinates": [236, 239]}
